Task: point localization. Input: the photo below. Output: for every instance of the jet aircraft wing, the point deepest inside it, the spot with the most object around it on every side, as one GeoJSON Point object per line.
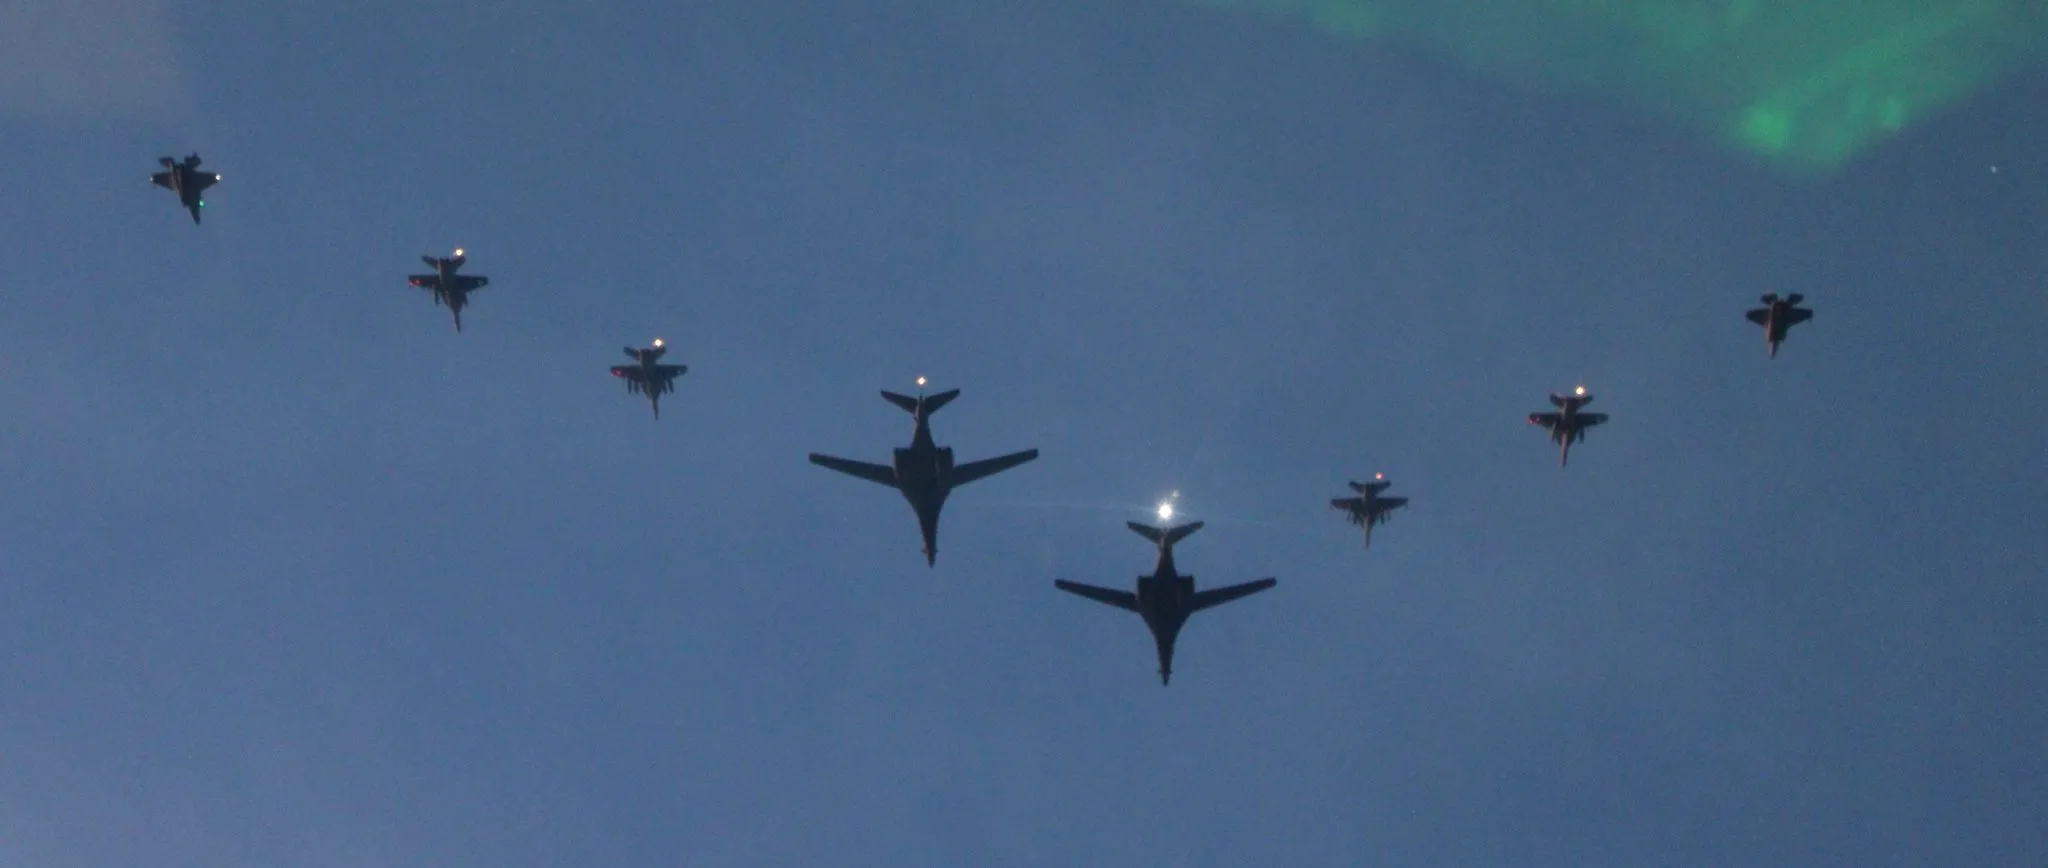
{"type": "Point", "coordinates": [1798, 316]}
{"type": "Point", "coordinates": [670, 372]}
{"type": "Point", "coordinates": [870, 472]}
{"type": "Point", "coordinates": [1219, 596]}
{"type": "Point", "coordinates": [974, 470]}
{"type": "Point", "coordinates": [161, 179]}
{"type": "Point", "coordinates": [1758, 316]}
{"type": "Point", "coordinates": [1347, 502]}
{"type": "Point", "coordinates": [1119, 599]}
{"type": "Point", "coordinates": [469, 282]}
{"type": "Point", "coordinates": [425, 281]}
{"type": "Point", "coordinates": [630, 372]}
{"type": "Point", "coordinates": [1588, 420]}
{"type": "Point", "coordinates": [1547, 420]}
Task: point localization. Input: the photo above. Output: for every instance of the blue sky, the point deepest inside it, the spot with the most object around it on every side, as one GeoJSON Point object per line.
{"type": "Point", "coordinates": [293, 574]}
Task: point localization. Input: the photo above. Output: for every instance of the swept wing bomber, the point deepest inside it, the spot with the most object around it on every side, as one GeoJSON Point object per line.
{"type": "Point", "coordinates": [1166, 598]}
{"type": "Point", "coordinates": [924, 472]}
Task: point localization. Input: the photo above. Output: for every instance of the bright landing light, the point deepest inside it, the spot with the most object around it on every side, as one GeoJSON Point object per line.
{"type": "Point", "coordinates": [920, 382]}
{"type": "Point", "coordinates": [1579, 391]}
{"type": "Point", "coordinates": [657, 343]}
{"type": "Point", "coordinates": [1166, 511]}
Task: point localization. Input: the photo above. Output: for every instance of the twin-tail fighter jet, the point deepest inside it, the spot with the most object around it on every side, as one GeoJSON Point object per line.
{"type": "Point", "coordinates": [1777, 316]}
{"type": "Point", "coordinates": [185, 179]}
{"type": "Point", "coordinates": [1568, 425]}
{"type": "Point", "coordinates": [646, 376]}
{"type": "Point", "coordinates": [1166, 598]}
{"type": "Point", "coordinates": [925, 472]}
{"type": "Point", "coordinates": [449, 288]}
{"type": "Point", "coordinates": [1369, 508]}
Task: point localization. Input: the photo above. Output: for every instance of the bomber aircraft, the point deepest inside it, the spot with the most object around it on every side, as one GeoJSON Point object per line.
{"type": "Point", "coordinates": [449, 288]}
{"type": "Point", "coordinates": [648, 377]}
{"type": "Point", "coordinates": [1777, 316]}
{"type": "Point", "coordinates": [1369, 508]}
{"type": "Point", "coordinates": [924, 472]}
{"type": "Point", "coordinates": [1166, 598]}
{"type": "Point", "coordinates": [1568, 425]}
{"type": "Point", "coordinates": [185, 179]}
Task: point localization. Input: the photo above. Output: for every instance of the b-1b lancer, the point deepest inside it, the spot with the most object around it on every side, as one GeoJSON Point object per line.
{"type": "Point", "coordinates": [1568, 425]}
{"type": "Point", "coordinates": [647, 377]}
{"type": "Point", "coordinates": [925, 472]}
{"type": "Point", "coordinates": [449, 288]}
{"type": "Point", "coordinates": [1166, 598]}
{"type": "Point", "coordinates": [185, 179]}
{"type": "Point", "coordinates": [1777, 316]}
{"type": "Point", "coordinates": [1369, 508]}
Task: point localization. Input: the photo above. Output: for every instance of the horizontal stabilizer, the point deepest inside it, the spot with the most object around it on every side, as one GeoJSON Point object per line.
{"type": "Point", "coordinates": [924, 405]}
{"type": "Point", "coordinates": [1167, 536]}
{"type": "Point", "coordinates": [1219, 596]}
{"type": "Point", "coordinates": [1119, 599]}
{"type": "Point", "coordinates": [974, 470]}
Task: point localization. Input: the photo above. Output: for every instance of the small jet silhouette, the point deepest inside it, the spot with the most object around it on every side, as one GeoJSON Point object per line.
{"type": "Point", "coordinates": [1777, 316]}
{"type": "Point", "coordinates": [449, 288]}
{"type": "Point", "coordinates": [1369, 508]}
{"type": "Point", "coordinates": [1568, 426]}
{"type": "Point", "coordinates": [646, 376]}
{"type": "Point", "coordinates": [185, 179]}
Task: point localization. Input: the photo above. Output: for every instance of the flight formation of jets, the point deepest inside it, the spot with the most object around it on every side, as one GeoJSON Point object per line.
{"type": "Point", "coordinates": [925, 473]}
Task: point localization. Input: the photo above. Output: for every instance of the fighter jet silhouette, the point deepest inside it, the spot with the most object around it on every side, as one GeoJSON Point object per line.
{"type": "Point", "coordinates": [1369, 508]}
{"type": "Point", "coordinates": [1568, 426]}
{"type": "Point", "coordinates": [185, 179]}
{"type": "Point", "coordinates": [1777, 316]}
{"type": "Point", "coordinates": [1166, 598]}
{"type": "Point", "coordinates": [646, 376]}
{"type": "Point", "coordinates": [924, 473]}
{"type": "Point", "coordinates": [448, 287]}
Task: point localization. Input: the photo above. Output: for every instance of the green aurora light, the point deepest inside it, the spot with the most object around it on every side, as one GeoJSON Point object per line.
{"type": "Point", "coordinates": [1807, 84]}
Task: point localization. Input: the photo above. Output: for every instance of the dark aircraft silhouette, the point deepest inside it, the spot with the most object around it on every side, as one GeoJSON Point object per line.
{"type": "Point", "coordinates": [647, 377]}
{"type": "Point", "coordinates": [924, 472]}
{"type": "Point", "coordinates": [1369, 508]}
{"type": "Point", "coordinates": [1166, 598]}
{"type": "Point", "coordinates": [1777, 316]}
{"type": "Point", "coordinates": [185, 179]}
{"type": "Point", "coordinates": [448, 287]}
{"type": "Point", "coordinates": [1568, 425]}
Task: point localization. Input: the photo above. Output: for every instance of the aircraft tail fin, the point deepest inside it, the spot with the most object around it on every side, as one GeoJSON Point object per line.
{"type": "Point", "coordinates": [1164, 536]}
{"type": "Point", "coordinates": [924, 405]}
